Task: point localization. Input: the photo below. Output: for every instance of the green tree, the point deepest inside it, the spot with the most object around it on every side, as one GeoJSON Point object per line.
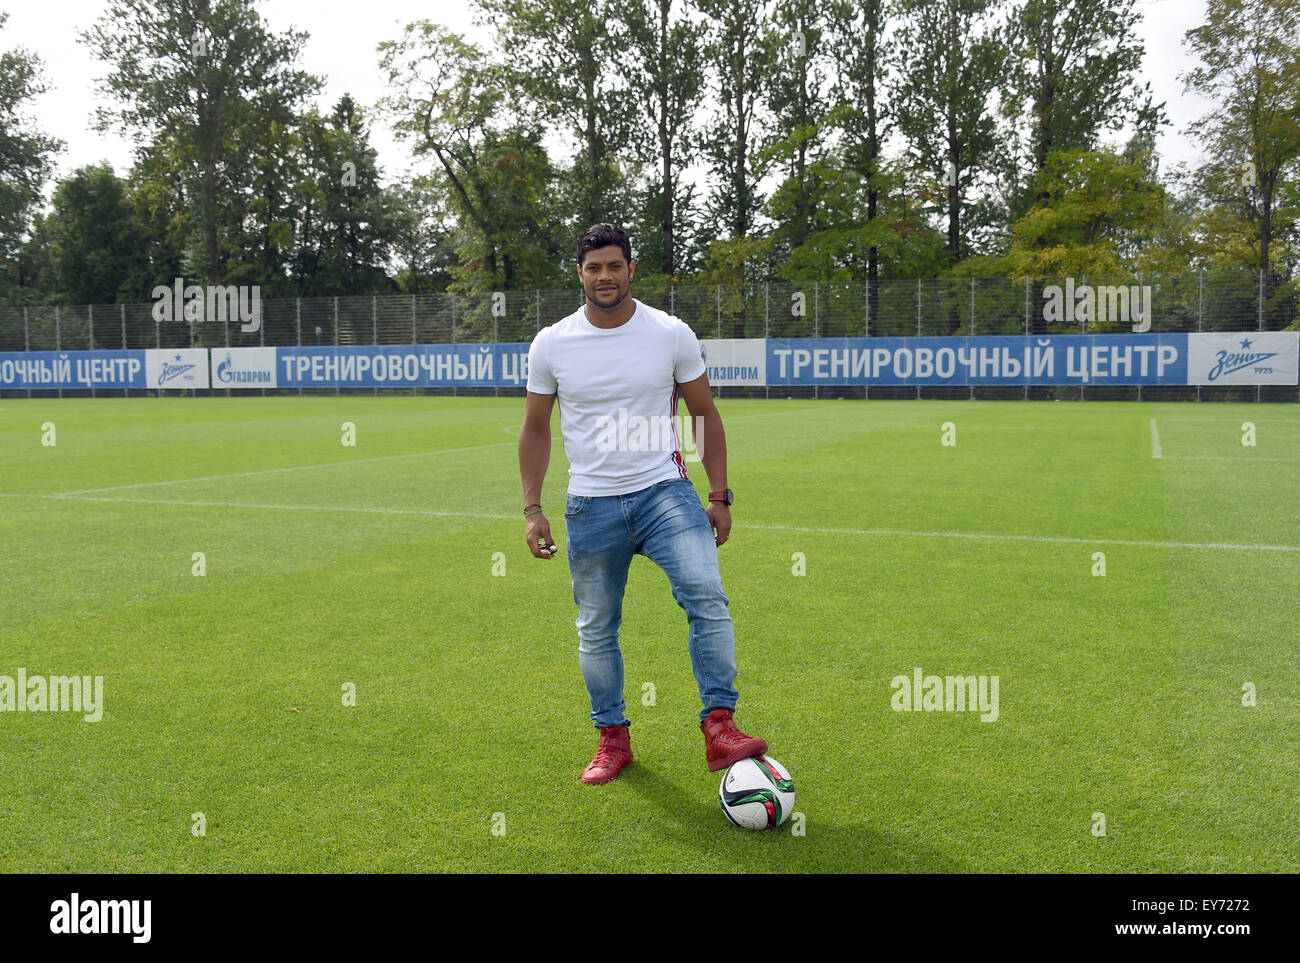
{"type": "Point", "coordinates": [31, 265]}
{"type": "Point", "coordinates": [347, 222]}
{"type": "Point", "coordinates": [797, 97]}
{"type": "Point", "coordinates": [856, 32]}
{"type": "Point", "coordinates": [454, 106]}
{"type": "Point", "coordinates": [197, 72]}
{"type": "Point", "coordinates": [423, 245]}
{"type": "Point", "coordinates": [1068, 80]}
{"type": "Point", "coordinates": [950, 56]}
{"type": "Point", "coordinates": [161, 204]}
{"type": "Point", "coordinates": [669, 86]}
{"type": "Point", "coordinates": [1098, 215]}
{"type": "Point", "coordinates": [26, 161]}
{"type": "Point", "coordinates": [264, 198]}
{"type": "Point", "coordinates": [1249, 53]}
{"type": "Point", "coordinates": [737, 62]}
{"type": "Point", "coordinates": [96, 245]}
{"type": "Point", "coordinates": [568, 58]}
{"type": "Point", "coordinates": [845, 246]}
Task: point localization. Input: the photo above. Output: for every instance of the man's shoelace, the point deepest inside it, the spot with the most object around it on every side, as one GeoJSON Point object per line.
{"type": "Point", "coordinates": [605, 756]}
{"type": "Point", "coordinates": [730, 737]}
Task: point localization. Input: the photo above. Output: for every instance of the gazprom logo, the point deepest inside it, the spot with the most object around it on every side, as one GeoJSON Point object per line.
{"type": "Point", "coordinates": [227, 374]}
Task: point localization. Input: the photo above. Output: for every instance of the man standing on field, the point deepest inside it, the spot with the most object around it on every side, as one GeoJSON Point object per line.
{"type": "Point", "coordinates": [617, 367]}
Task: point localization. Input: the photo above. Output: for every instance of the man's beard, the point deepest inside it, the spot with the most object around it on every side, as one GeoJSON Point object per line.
{"type": "Point", "coordinates": [622, 294]}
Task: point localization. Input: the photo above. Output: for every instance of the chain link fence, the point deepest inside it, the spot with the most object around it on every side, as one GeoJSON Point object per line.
{"type": "Point", "coordinates": [918, 307]}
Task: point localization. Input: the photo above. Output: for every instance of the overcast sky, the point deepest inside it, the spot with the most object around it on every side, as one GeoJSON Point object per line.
{"type": "Point", "coordinates": [341, 49]}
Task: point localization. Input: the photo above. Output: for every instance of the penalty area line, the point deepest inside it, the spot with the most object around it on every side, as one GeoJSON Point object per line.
{"type": "Point", "coordinates": [1060, 539]}
{"type": "Point", "coordinates": [867, 532]}
{"type": "Point", "coordinates": [263, 507]}
{"type": "Point", "coordinates": [1224, 458]}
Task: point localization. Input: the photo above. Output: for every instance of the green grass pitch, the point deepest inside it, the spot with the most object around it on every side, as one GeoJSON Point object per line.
{"type": "Point", "coordinates": [373, 566]}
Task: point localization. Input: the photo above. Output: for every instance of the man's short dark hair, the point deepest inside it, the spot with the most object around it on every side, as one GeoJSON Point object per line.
{"type": "Point", "coordinates": [603, 235]}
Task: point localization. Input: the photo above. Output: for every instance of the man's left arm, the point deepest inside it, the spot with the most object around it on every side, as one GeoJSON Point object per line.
{"type": "Point", "coordinates": [711, 443]}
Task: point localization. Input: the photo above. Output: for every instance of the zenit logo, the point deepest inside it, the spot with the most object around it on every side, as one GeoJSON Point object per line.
{"type": "Point", "coordinates": [103, 916]}
{"type": "Point", "coordinates": [1234, 361]}
{"type": "Point", "coordinates": [170, 371]}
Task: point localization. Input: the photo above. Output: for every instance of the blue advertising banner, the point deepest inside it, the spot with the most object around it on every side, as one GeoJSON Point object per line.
{"type": "Point", "coordinates": [404, 366]}
{"type": "Point", "coordinates": [72, 370]}
{"type": "Point", "coordinates": [1231, 358]}
{"type": "Point", "coordinates": [1072, 359]}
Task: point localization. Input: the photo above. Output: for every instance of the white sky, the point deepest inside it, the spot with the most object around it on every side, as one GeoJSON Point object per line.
{"type": "Point", "coordinates": [341, 48]}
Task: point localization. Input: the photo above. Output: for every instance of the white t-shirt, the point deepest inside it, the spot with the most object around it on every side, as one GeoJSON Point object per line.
{"type": "Point", "coordinates": [617, 389]}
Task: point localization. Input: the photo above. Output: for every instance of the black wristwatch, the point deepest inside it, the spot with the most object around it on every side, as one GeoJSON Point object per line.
{"type": "Point", "coordinates": [725, 496]}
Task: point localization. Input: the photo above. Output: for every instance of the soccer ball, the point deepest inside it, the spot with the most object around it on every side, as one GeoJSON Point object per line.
{"type": "Point", "coordinates": [757, 793]}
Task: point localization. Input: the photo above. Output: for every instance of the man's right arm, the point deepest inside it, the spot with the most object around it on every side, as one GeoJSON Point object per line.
{"type": "Point", "coordinates": [534, 458]}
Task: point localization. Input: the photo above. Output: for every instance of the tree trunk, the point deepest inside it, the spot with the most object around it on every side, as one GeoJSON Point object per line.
{"type": "Point", "coordinates": [665, 141]}
{"type": "Point", "coordinates": [953, 174]}
{"type": "Point", "coordinates": [1266, 239]}
{"type": "Point", "coordinates": [210, 227]}
{"type": "Point", "coordinates": [741, 226]}
{"type": "Point", "coordinates": [873, 267]}
{"type": "Point", "coordinates": [591, 136]}
{"type": "Point", "coordinates": [593, 156]}
{"type": "Point", "coordinates": [802, 212]}
{"type": "Point", "coordinates": [1046, 106]}
{"type": "Point", "coordinates": [208, 150]}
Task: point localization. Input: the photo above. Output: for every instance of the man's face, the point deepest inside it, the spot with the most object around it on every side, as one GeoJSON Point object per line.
{"type": "Point", "coordinates": [606, 276]}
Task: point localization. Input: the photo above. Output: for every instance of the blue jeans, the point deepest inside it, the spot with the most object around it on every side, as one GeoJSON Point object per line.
{"type": "Point", "coordinates": [666, 524]}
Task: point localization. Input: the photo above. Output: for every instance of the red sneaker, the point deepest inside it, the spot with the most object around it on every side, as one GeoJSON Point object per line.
{"type": "Point", "coordinates": [613, 753]}
{"type": "Point", "coordinates": [724, 743]}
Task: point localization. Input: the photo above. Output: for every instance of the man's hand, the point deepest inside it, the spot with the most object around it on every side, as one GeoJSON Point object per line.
{"type": "Point", "coordinates": [720, 519]}
{"type": "Point", "coordinates": [537, 533]}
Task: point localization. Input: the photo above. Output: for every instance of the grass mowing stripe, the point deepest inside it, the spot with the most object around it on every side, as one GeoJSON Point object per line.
{"type": "Point", "coordinates": [272, 471]}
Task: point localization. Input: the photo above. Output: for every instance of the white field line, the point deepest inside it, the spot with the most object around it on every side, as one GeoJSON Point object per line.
{"type": "Point", "coordinates": [271, 471]}
{"type": "Point", "coordinates": [1225, 458]}
{"type": "Point", "coordinates": [868, 532]}
{"type": "Point", "coordinates": [1155, 441]}
{"type": "Point", "coordinates": [257, 505]}
{"type": "Point", "coordinates": [1061, 539]}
